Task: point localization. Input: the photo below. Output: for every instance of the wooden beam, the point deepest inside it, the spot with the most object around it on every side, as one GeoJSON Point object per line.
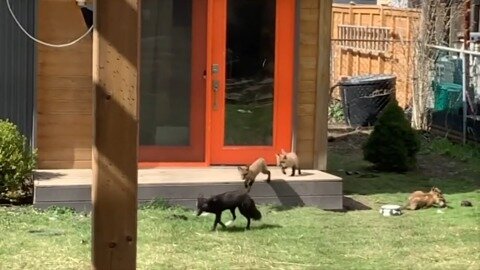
{"type": "Point", "coordinates": [114, 189]}
{"type": "Point", "coordinates": [323, 84]}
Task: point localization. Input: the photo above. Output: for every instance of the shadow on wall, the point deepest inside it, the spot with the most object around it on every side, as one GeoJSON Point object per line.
{"type": "Point", "coordinates": [286, 194]}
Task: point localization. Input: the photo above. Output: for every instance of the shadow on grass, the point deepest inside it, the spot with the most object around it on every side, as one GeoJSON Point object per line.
{"type": "Point", "coordinates": [22, 201]}
{"type": "Point", "coordinates": [280, 208]}
{"type": "Point", "coordinates": [162, 204]}
{"type": "Point", "coordinates": [349, 205]}
{"type": "Point", "coordinates": [47, 232]}
{"type": "Point", "coordinates": [264, 226]}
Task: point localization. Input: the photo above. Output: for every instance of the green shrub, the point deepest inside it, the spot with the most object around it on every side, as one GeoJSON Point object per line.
{"type": "Point", "coordinates": [17, 161]}
{"type": "Point", "coordinates": [393, 144]}
{"type": "Point", "coordinates": [335, 112]}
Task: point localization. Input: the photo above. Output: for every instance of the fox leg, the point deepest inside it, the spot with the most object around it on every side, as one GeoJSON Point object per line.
{"type": "Point", "coordinates": [299, 171]}
{"type": "Point", "coordinates": [233, 217]}
{"type": "Point", "coordinates": [267, 172]}
{"type": "Point", "coordinates": [249, 184]}
{"type": "Point", "coordinates": [293, 171]}
{"type": "Point", "coordinates": [283, 170]}
{"type": "Point", "coordinates": [248, 223]}
{"type": "Point", "coordinates": [244, 211]}
{"type": "Point", "coordinates": [218, 220]}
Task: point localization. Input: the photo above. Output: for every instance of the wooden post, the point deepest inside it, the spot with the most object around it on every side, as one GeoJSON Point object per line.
{"type": "Point", "coordinates": [114, 188]}
{"type": "Point", "coordinates": [323, 84]}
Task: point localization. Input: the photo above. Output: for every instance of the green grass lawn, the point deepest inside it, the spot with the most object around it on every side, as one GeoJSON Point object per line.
{"type": "Point", "coordinates": [297, 238]}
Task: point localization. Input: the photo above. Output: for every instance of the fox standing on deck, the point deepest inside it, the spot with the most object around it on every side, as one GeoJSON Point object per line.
{"type": "Point", "coordinates": [288, 160]}
{"type": "Point", "coordinates": [249, 173]}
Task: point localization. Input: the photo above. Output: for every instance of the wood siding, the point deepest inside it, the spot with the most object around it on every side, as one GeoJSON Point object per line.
{"type": "Point", "coordinates": [64, 92]}
{"type": "Point", "coordinates": [307, 81]}
{"type": "Point", "coordinates": [65, 87]}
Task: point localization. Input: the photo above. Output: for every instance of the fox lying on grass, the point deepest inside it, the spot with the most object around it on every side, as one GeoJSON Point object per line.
{"type": "Point", "coordinates": [229, 200]}
{"type": "Point", "coordinates": [288, 160]}
{"type": "Point", "coordinates": [419, 199]}
{"type": "Point", "coordinates": [249, 173]}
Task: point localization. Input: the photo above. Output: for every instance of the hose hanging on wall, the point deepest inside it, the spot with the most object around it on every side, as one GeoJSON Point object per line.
{"type": "Point", "coordinates": [88, 20]}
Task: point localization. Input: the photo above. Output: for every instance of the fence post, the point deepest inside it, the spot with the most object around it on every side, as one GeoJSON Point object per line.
{"type": "Point", "coordinates": [464, 95]}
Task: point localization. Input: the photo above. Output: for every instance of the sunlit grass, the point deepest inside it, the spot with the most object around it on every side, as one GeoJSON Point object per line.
{"type": "Point", "coordinates": [296, 238]}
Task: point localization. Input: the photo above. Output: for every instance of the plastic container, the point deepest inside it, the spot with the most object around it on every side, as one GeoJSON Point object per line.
{"type": "Point", "coordinates": [448, 96]}
{"type": "Point", "coordinates": [364, 97]}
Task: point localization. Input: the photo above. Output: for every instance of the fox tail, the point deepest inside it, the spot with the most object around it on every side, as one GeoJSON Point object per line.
{"type": "Point", "coordinates": [251, 209]}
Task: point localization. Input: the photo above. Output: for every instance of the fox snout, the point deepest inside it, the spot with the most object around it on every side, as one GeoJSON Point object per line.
{"type": "Point", "coordinates": [442, 203]}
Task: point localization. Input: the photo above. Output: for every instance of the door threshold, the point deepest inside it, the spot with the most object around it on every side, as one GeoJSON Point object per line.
{"type": "Point", "coordinates": [153, 165]}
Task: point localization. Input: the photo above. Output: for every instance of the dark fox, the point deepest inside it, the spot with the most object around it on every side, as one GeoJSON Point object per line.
{"type": "Point", "coordinates": [229, 200]}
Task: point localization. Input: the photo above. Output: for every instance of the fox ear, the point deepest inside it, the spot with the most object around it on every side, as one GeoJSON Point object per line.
{"type": "Point", "coordinates": [283, 151]}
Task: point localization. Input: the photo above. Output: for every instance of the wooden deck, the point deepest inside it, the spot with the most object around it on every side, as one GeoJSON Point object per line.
{"type": "Point", "coordinates": [72, 188]}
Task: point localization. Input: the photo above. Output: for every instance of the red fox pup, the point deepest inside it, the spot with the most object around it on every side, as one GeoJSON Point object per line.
{"type": "Point", "coordinates": [288, 160]}
{"type": "Point", "coordinates": [249, 173]}
{"type": "Point", "coordinates": [420, 199]}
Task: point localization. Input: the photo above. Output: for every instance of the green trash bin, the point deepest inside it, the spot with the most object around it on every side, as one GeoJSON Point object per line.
{"type": "Point", "coordinates": [448, 96]}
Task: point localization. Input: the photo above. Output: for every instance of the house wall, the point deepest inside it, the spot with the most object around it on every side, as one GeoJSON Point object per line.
{"type": "Point", "coordinates": [17, 61]}
{"type": "Point", "coordinates": [64, 88]}
{"type": "Point", "coordinates": [307, 81]}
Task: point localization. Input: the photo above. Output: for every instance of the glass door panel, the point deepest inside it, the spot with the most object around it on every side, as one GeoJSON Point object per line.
{"type": "Point", "coordinates": [172, 83]}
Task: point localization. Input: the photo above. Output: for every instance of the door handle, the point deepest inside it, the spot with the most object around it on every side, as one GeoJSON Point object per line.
{"type": "Point", "coordinates": [215, 88]}
{"type": "Point", "coordinates": [215, 85]}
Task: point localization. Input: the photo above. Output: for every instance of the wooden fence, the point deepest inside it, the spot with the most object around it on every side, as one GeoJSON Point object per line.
{"type": "Point", "coordinates": [373, 39]}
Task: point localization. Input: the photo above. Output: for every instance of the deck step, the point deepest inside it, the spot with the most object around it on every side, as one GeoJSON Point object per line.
{"type": "Point", "coordinates": [72, 188]}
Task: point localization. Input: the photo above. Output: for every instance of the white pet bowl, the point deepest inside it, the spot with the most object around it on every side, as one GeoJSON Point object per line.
{"type": "Point", "coordinates": [390, 210]}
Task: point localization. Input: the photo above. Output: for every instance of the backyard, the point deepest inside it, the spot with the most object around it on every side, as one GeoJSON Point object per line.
{"type": "Point", "coordinates": [286, 238]}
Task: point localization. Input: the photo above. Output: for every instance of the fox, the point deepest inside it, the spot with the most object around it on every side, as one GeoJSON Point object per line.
{"type": "Point", "coordinates": [229, 200]}
{"type": "Point", "coordinates": [249, 173]}
{"type": "Point", "coordinates": [419, 199]}
{"type": "Point", "coordinates": [288, 160]}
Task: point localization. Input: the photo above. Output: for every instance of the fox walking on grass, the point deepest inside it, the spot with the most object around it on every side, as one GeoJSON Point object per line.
{"type": "Point", "coordinates": [288, 160]}
{"type": "Point", "coordinates": [249, 173]}
{"type": "Point", "coordinates": [229, 200]}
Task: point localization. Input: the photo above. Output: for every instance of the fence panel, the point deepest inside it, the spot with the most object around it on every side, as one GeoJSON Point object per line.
{"type": "Point", "coordinates": [376, 39]}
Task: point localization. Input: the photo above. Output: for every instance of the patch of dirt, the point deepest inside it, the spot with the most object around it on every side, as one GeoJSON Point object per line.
{"type": "Point", "coordinates": [429, 165]}
{"type": "Point", "coordinates": [348, 143]}
{"type": "Point", "coordinates": [436, 166]}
